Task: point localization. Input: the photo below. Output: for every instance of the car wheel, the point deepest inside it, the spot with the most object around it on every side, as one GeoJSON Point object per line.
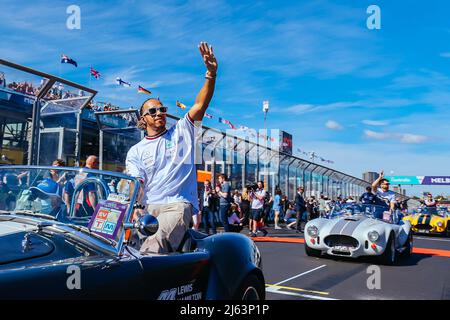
{"type": "Point", "coordinates": [312, 252]}
{"type": "Point", "coordinates": [448, 228]}
{"type": "Point", "coordinates": [250, 289]}
{"type": "Point", "coordinates": [409, 246]}
{"type": "Point", "coordinates": [389, 255]}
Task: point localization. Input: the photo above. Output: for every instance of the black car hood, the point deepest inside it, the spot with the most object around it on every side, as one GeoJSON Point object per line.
{"type": "Point", "coordinates": [18, 243]}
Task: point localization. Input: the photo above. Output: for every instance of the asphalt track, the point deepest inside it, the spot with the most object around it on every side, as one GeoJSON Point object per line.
{"type": "Point", "coordinates": [292, 275]}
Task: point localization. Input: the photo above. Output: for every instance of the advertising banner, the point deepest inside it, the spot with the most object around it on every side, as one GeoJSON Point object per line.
{"type": "Point", "coordinates": [420, 180]}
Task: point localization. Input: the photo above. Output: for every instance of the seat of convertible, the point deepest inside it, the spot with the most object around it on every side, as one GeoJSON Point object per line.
{"type": "Point", "coordinates": [190, 240]}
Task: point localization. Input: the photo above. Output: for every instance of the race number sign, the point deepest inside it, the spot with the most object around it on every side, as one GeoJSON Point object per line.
{"type": "Point", "coordinates": [107, 218]}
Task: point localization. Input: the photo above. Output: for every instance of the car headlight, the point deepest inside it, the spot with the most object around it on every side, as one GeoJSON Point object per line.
{"type": "Point", "coordinates": [312, 231]}
{"type": "Point", "coordinates": [373, 236]}
{"type": "Point", "coordinates": [439, 224]}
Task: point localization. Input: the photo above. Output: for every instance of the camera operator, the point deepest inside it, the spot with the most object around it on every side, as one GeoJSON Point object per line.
{"type": "Point", "coordinates": [257, 197]}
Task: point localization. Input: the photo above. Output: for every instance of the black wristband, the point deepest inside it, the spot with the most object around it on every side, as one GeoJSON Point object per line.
{"type": "Point", "coordinates": [138, 206]}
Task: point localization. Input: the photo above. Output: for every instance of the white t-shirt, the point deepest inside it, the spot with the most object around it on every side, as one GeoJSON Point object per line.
{"type": "Point", "coordinates": [165, 164]}
{"type": "Point", "coordinates": [256, 203]}
{"type": "Point", "coordinates": [388, 196]}
{"type": "Point", "coordinates": [430, 203]}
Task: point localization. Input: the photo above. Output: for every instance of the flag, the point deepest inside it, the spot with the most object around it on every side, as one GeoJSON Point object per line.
{"type": "Point", "coordinates": [244, 128]}
{"type": "Point", "coordinates": [66, 59]}
{"type": "Point", "coordinates": [180, 105]}
{"type": "Point", "coordinates": [120, 82]}
{"type": "Point", "coordinates": [225, 121]}
{"type": "Point", "coordinates": [207, 115]}
{"type": "Point", "coordinates": [143, 90]}
{"type": "Point", "coordinates": [95, 73]}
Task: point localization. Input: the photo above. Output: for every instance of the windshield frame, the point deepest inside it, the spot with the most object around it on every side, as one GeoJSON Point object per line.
{"type": "Point", "coordinates": [360, 205]}
{"type": "Point", "coordinates": [118, 245]}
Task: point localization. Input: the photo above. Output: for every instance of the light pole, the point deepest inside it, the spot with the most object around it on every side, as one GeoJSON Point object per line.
{"type": "Point", "coordinates": [265, 110]}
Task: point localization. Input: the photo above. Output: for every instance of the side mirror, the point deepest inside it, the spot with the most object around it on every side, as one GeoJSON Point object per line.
{"type": "Point", "coordinates": [148, 225]}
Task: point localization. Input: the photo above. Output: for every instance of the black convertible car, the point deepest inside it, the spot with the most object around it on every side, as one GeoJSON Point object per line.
{"type": "Point", "coordinates": [68, 233]}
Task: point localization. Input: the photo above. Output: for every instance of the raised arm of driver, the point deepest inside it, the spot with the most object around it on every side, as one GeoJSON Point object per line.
{"type": "Point", "coordinates": [376, 183]}
{"type": "Point", "coordinates": [197, 112]}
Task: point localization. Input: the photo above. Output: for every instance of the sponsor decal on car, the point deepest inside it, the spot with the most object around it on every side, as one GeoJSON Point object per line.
{"type": "Point", "coordinates": [184, 292]}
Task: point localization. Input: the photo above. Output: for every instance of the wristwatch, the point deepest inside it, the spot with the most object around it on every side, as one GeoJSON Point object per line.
{"type": "Point", "coordinates": [209, 76]}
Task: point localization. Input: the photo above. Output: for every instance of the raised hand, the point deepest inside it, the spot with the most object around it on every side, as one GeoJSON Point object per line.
{"type": "Point", "coordinates": [208, 58]}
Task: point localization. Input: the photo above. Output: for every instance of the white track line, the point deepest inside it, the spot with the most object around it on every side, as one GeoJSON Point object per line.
{"type": "Point", "coordinates": [432, 239]}
{"type": "Point", "coordinates": [308, 296]}
{"type": "Point", "coordinates": [300, 275]}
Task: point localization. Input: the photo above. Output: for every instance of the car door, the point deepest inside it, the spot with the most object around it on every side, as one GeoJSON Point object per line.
{"type": "Point", "coordinates": [176, 276]}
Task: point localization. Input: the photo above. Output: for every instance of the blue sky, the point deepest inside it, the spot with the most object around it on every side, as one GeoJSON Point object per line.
{"type": "Point", "coordinates": [366, 99]}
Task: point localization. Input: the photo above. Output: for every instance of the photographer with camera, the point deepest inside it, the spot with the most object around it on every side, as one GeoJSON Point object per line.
{"type": "Point", "coordinates": [257, 197]}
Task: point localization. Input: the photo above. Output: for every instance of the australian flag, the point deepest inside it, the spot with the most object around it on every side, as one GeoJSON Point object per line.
{"type": "Point", "coordinates": [66, 59]}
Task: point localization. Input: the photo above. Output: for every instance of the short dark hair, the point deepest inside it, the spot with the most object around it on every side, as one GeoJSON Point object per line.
{"type": "Point", "coordinates": [369, 189]}
{"type": "Point", "coordinates": [262, 182]}
{"type": "Point", "coordinates": [384, 180]}
{"type": "Point", "coordinates": [143, 104]}
{"type": "Point", "coordinates": [223, 175]}
{"type": "Point", "coordinates": [59, 162]}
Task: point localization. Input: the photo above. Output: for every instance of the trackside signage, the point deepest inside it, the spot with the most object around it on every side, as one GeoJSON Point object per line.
{"type": "Point", "coordinates": [436, 180]}
{"type": "Point", "coordinates": [420, 180]}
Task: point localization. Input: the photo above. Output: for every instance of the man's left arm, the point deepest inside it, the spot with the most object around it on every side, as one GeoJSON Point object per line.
{"type": "Point", "coordinates": [205, 95]}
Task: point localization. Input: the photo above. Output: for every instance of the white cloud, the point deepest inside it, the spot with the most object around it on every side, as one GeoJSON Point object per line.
{"type": "Point", "coordinates": [399, 137]}
{"type": "Point", "coordinates": [299, 108]}
{"type": "Point", "coordinates": [376, 123]}
{"type": "Point", "coordinates": [376, 135]}
{"type": "Point", "coordinates": [412, 138]}
{"type": "Point", "coordinates": [333, 125]}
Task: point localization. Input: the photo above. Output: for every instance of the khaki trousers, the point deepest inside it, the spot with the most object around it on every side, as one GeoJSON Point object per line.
{"type": "Point", "coordinates": [173, 220]}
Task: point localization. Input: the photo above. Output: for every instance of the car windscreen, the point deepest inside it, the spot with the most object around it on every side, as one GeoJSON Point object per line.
{"type": "Point", "coordinates": [369, 210]}
{"type": "Point", "coordinates": [99, 201]}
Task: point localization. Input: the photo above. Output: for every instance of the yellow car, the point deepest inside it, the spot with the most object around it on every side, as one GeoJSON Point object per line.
{"type": "Point", "coordinates": [430, 221]}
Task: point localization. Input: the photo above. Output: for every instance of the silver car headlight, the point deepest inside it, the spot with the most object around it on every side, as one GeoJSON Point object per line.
{"type": "Point", "coordinates": [373, 236]}
{"type": "Point", "coordinates": [439, 223]}
{"type": "Point", "coordinates": [312, 231]}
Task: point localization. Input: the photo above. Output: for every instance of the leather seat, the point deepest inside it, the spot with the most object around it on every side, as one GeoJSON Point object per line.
{"type": "Point", "coordinates": [190, 240]}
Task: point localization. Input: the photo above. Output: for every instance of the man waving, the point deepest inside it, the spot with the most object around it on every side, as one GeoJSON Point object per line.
{"type": "Point", "coordinates": [164, 163]}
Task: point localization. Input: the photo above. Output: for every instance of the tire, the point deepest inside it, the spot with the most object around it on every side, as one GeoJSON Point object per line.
{"type": "Point", "coordinates": [409, 246]}
{"type": "Point", "coordinates": [389, 256]}
{"type": "Point", "coordinates": [250, 289]}
{"type": "Point", "coordinates": [312, 252]}
{"type": "Point", "coordinates": [448, 229]}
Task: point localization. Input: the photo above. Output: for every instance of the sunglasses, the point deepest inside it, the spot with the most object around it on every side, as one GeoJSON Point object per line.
{"type": "Point", "coordinates": [153, 111]}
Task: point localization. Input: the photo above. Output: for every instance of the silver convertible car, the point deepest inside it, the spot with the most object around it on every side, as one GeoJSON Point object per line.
{"type": "Point", "coordinates": [354, 230]}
